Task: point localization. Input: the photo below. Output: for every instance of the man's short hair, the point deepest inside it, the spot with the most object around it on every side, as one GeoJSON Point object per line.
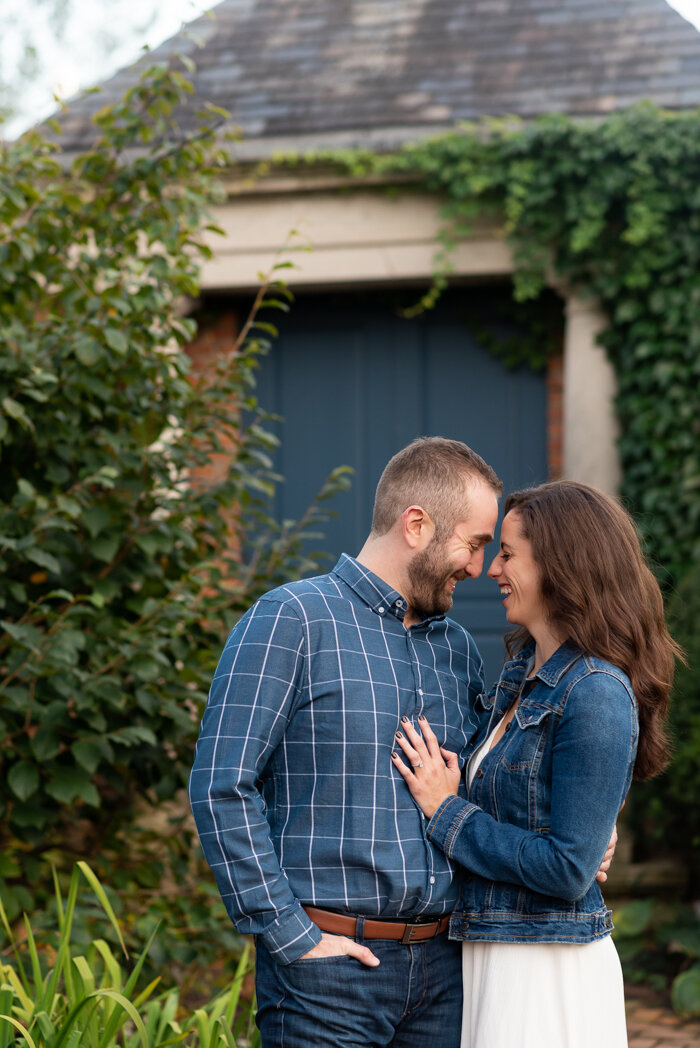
{"type": "Point", "coordinates": [431, 472]}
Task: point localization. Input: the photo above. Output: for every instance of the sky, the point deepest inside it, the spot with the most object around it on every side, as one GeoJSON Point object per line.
{"type": "Point", "coordinates": [96, 38]}
{"type": "Point", "coordinates": [78, 43]}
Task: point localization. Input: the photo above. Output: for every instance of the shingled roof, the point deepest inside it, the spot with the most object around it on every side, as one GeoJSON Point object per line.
{"type": "Point", "coordinates": [310, 72]}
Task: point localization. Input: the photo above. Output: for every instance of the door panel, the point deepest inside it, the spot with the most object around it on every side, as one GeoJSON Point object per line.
{"type": "Point", "coordinates": [355, 382]}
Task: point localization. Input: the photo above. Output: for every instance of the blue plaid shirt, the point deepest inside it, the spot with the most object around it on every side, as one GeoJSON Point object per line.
{"type": "Point", "coordinates": [293, 792]}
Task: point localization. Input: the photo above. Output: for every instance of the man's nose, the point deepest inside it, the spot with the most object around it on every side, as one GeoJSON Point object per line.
{"type": "Point", "coordinates": [476, 563]}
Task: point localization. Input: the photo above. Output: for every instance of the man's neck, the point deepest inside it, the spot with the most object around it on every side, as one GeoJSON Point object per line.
{"type": "Point", "coordinates": [379, 557]}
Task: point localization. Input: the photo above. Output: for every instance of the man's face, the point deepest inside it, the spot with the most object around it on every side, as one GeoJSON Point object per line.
{"type": "Point", "coordinates": [435, 571]}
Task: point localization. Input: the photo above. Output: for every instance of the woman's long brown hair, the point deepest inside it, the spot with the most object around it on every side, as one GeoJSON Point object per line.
{"type": "Point", "coordinates": [598, 590]}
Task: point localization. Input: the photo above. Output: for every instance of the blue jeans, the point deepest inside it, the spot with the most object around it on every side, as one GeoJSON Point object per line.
{"type": "Point", "coordinates": [412, 1000]}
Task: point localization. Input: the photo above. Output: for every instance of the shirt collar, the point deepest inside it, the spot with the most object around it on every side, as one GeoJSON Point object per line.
{"type": "Point", "coordinates": [376, 593]}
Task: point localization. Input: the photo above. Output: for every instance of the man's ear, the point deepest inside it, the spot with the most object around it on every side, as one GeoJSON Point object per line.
{"type": "Point", "coordinates": [418, 527]}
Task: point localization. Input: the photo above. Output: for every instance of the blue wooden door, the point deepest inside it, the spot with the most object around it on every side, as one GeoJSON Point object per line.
{"type": "Point", "coordinates": [355, 381]}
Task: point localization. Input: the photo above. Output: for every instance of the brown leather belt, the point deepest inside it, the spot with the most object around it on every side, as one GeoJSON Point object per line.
{"type": "Point", "coordinates": [405, 932]}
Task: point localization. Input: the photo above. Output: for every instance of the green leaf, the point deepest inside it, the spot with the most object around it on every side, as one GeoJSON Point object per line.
{"type": "Point", "coordinates": [43, 559]}
{"type": "Point", "coordinates": [16, 411]}
{"type": "Point", "coordinates": [116, 339]}
{"type": "Point", "coordinates": [23, 780]}
{"type": "Point", "coordinates": [26, 488]}
{"type": "Point", "coordinates": [88, 351]}
{"type": "Point", "coordinates": [45, 744]}
{"type": "Point", "coordinates": [88, 754]}
{"type": "Point", "coordinates": [633, 917]}
{"type": "Point", "coordinates": [685, 993]}
{"type": "Point", "coordinates": [28, 636]}
{"type": "Point", "coordinates": [70, 784]}
{"type": "Point", "coordinates": [106, 547]}
{"type": "Point", "coordinates": [150, 542]}
{"type": "Point", "coordinates": [95, 519]}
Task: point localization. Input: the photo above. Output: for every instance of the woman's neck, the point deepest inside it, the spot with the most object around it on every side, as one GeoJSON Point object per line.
{"type": "Point", "coordinates": [547, 641]}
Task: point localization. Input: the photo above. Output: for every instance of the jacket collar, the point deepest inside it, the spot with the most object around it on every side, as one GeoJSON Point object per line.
{"type": "Point", "coordinates": [553, 669]}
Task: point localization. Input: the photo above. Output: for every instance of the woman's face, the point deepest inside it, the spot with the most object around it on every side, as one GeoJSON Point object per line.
{"type": "Point", "coordinates": [518, 578]}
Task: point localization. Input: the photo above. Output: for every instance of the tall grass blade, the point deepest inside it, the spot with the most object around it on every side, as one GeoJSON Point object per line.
{"type": "Point", "coordinates": [223, 1033]}
{"type": "Point", "coordinates": [18, 1026]}
{"type": "Point", "coordinates": [33, 954]}
{"type": "Point", "coordinates": [111, 964]}
{"type": "Point", "coordinates": [65, 923]}
{"type": "Point", "coordinates": [145, 994]}
{"type": "Point", "coordinates": [93, 1000]}
{"type": "Point", "coordinates": [6, 998]}
{"type": "Point", "coordinates": [22, 994]}
{"type": "Point", "coordinates": [13, 944]}
{"type": "Point", "coordinates": [58, 897]}
{"type": "Point", "coordinates": [235, 992]}
{"type": "Point", "coordinates": [113, 1024]}
{"type": "Point", "coordinates": [104, 901]}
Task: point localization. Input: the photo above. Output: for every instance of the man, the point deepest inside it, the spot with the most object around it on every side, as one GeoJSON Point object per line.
{"type": "Point", "coordinates": [316, 846]}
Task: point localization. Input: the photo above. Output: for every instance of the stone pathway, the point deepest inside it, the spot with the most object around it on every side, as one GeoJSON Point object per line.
{"type": "Point", "coordinates": [650, 1025]}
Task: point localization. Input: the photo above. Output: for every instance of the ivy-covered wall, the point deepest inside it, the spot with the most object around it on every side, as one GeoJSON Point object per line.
{"type": "Point", "coordinates": [611, 209]}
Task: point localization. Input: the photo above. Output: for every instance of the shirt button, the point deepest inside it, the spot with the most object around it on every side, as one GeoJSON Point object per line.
{"type": "Point", "coordinates": [432, 880]}
{"type": "Point", "coordinates": [381, 610]}
{"type": "Point", "coordinates": [420, 691]}
{"type": "Point", "coordinates": [399, 603]}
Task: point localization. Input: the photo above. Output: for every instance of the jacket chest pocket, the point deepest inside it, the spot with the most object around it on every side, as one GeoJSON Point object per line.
{"type": "Point", "coordinates": [528, 735]}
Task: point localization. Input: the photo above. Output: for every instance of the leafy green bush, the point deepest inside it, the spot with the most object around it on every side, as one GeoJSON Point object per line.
{"type": "Point", "coordinates": [659, 945]}
{"type": "Point", "coordinates": [665, 812]}
{"type": "Point", "coordinates": [51, 995]}
{"type": "Point", "coordinates": [123, 560]}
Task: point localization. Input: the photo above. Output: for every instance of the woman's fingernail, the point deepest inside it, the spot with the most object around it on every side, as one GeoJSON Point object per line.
{"type": "Point", "coordinates": [421, 716]}
{"type": "Point", "coordinates": [394, 754]}
{"type": "Point", "coordinates": [399, 735]}
{"type": "Point", "coordinates": [404, 720]}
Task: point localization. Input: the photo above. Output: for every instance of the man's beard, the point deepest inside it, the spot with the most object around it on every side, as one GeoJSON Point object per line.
{"type": "Point", "coordinates": [428, 577]}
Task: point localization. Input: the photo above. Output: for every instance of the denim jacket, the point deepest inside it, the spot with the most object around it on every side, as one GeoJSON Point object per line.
{"type": "Point", "coordinates": [543, 803]}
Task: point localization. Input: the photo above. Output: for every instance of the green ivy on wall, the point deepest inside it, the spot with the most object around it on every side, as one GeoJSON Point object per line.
{"type": "Point", "coordinates": [611, 209]}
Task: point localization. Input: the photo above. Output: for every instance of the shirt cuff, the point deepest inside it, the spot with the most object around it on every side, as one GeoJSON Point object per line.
{"type": "Point", "coordinates": [447, 821]}
{"type": "Point", "coordinates": [289, 939]}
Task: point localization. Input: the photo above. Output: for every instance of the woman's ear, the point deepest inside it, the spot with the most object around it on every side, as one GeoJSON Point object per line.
{"type": "Point", "coordinates": [418, 528]}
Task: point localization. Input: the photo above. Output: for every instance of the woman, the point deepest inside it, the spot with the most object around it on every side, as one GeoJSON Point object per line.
{"type": "Point", "coordinates": [578, 708]}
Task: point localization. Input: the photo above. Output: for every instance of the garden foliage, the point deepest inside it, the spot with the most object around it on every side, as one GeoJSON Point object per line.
{"type": "Point", "coordinates": [124, 560]}
{"type": "Point", "coordinates": [611, 209]}
{"type": "Point", "coordinates": [53, 994]}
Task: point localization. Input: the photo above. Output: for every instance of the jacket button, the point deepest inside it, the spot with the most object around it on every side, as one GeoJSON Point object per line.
{"type": "Point", "coordinates": [480, 773]}
{"type": "Point", "coordinates": [509, 725]}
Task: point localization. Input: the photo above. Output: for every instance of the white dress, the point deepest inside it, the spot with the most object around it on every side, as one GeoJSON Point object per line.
{"type": "Point", "coordinates": [541, 995]}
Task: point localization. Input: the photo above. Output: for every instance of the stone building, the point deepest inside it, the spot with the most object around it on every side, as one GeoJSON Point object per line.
{"type": "Point", "coordinates": [353, 379]}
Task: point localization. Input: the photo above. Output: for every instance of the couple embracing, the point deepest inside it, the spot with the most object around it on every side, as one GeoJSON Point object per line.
{"type": "Point", "coordinates": [419, 860]}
